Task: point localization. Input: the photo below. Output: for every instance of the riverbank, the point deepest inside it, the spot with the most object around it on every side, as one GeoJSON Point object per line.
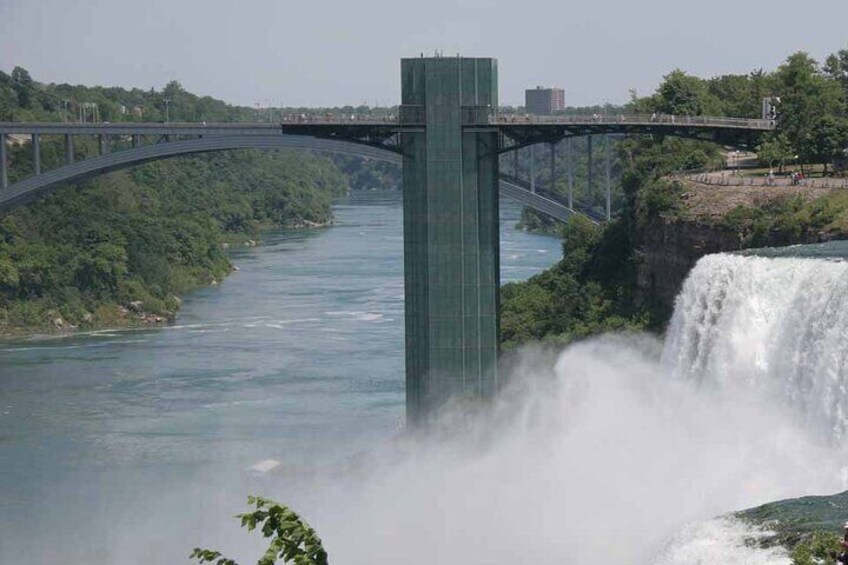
{"type": "Point", "coordinates": [134, 314]}
{"type": "Point", "coordinates": [122, 249]}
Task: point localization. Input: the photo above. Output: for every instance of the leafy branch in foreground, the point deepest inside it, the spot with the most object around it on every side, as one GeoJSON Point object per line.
{"type": "Point", "coordinates": [294, 541]}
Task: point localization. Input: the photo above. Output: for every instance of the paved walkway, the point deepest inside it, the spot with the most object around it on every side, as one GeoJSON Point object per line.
{"type": "Point", "coordinates": [730, 178]}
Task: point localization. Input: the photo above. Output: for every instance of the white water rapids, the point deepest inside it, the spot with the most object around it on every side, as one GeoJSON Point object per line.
{"type": "Point", "coordinates": [625, 449]}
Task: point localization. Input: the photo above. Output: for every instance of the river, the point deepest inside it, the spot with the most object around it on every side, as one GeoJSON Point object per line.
{"type": "Point", "coordinates": [297, 357]}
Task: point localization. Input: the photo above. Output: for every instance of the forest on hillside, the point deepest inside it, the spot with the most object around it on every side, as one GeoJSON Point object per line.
{"type": "Point", "coordinates": [121, 249]}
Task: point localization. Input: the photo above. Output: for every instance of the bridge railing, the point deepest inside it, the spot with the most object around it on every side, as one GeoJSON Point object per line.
{"type": "Point", "coordinates": [640, 119]}
{"type": "Point", "coordinates": [336, 119]}
{"type": "Point", "coordinates": [413, 114]}
{"type": "Point", "coordinates": [729, 179]}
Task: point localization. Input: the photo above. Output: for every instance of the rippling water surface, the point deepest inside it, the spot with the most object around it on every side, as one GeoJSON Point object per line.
{"type": "Point", "coordinates": [297, 357]}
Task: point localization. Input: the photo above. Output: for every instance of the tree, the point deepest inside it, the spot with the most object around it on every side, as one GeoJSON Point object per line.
{"type": "Point", "coordinates": [682, 94]}
{"type": "Point", "coordinates": [21, 76]}
{"type": "Point", "coordinates": [805, 96]}
{"type": "Point", "coordinates": [23, 86]}
{"type": "Point", "coordinates": [294, 541]}
{"type": "Point", "coordinates": [827, 140]}
{"type": "Point", "coordinates": [836, 66]}
{"type": "Point", "coordinates": [8, 273]}
{"type": "Point", "coordinates": [775, 149]}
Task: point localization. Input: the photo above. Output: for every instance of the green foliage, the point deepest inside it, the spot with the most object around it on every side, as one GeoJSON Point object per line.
{"type": "Point", "coordinates": [788, 220]}
{"type": "Point", "coordinates": [23, 99]}
{"type": "Point", "coordinates": [87, 255]}
{"type": "Point", "coordinates": [818, 547]}
{"type": "Point", "coordinates": [209, 556]}
{"type": "Point", "coordinates": [808, 527]}
{"type": "Point", "coordinates": [365, 174]}
{"type": "Point", "coordinates": [836, 66]}
{"type": "Point", "coordinates": [682, 94]}
{"type": "Point", "coordinates": [536, 222]}
{"type": "Point", "coordinates": [828, 140]}
{"type": "Point", "coordinates": [775, 150]}
{"type": "Point", "coordinates": [811, 112]}
{"type": "Point", "coordinates": [292, 539]}
{"type": "Point", "coordinates": [589, 291]}
{"type": "Point", "coordinates": [149, 234]}
{"type": "Point", "coordinates": [657, 198]}
{"type": "Point", "coordinates": [806, 95]}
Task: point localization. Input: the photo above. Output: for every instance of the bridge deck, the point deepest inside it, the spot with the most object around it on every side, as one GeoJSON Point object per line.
{"type": "Point", "coordinates": [390, 122]}
{"type": "Point", "coordinates": [374, 133]}
{"type": "Point", "coordinates": [634, 120]}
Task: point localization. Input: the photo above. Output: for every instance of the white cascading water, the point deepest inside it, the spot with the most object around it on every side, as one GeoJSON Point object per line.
{"type": "Point", "coordinates": [776, 325]}
{"type": "Point", "coordinates": [625, 450]}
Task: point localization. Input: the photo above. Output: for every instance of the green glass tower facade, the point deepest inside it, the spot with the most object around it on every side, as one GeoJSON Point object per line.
{"type": "Point", "coordinates": [451, 238]}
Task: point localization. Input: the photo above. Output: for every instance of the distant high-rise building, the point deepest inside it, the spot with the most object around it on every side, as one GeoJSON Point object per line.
{"type": "Point", "coordinates": [544, 101]}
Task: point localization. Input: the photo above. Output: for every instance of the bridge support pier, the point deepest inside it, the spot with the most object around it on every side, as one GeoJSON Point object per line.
{"type": "Point", "coordinates": [136, 140]}
{"type": "Point", "coordinates": [451, 237]}
{"type": "Point", "coordinates": [69, 149]}
{"type": "Point", "coordinates": [569, 164]}
{"type": "Point", "coordinates": [533, 169]}
{"type": "Point", "coordinates": [553, 168]}
{"type": "Point", "coordinates": [101, 145]}
{"type": "Point", "coordinates": [4, 171]}
{"type": "Point", "coordinates": [36, 154]}
{"type": "Point", "coordinates": [608, 168]}
{"type": "Point", "coordinates": [590, 173]}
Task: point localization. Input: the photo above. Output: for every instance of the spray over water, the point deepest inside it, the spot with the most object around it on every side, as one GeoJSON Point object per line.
{"type": "Point", "coordinates": [604, 457]}
{"type": "Point", "coordinates": [621, 449]}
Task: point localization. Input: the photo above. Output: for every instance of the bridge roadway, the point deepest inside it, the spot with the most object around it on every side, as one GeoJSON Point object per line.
{"type": "Point", "coordinates": [573, 124]}
{"type": "Point", "coordinates": [366, 137]}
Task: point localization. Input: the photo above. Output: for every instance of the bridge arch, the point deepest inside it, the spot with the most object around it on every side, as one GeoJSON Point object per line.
{"type": "Point", "coordinates": [32, 187]}
{"type": "Point", "coordinates": [28, 189]}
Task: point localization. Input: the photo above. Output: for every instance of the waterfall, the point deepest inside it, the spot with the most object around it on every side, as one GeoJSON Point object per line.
{"type": "Point", "coordinates": [776, 326]}
{"type": "Point", "coordinates": [621, 450]}
{"type": "Point", "coordinates": [626, 449]}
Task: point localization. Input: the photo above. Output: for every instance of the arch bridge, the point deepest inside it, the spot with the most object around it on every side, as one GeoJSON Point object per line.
{"type": "Point", "coordinates": [449, 140]}
{"type": "Point", "coordinates": [151, 142]}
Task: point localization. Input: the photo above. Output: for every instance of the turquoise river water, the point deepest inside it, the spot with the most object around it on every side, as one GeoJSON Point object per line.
{"type": "Point", "coordinates": [298, 357]}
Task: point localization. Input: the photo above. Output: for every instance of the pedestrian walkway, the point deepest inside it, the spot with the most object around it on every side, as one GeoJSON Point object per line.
{"type": "Point", "coordinates": [730, 178]}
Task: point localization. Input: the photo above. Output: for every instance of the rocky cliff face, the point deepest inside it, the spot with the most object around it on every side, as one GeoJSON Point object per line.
{"type": "Point", "coordinates": [668, 246]}
{"type": "Point", "coordinates": [667, 249]}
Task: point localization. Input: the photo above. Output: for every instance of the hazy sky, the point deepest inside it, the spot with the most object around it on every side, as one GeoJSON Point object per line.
{"type": "Point", "coordinates": [335, 52]}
